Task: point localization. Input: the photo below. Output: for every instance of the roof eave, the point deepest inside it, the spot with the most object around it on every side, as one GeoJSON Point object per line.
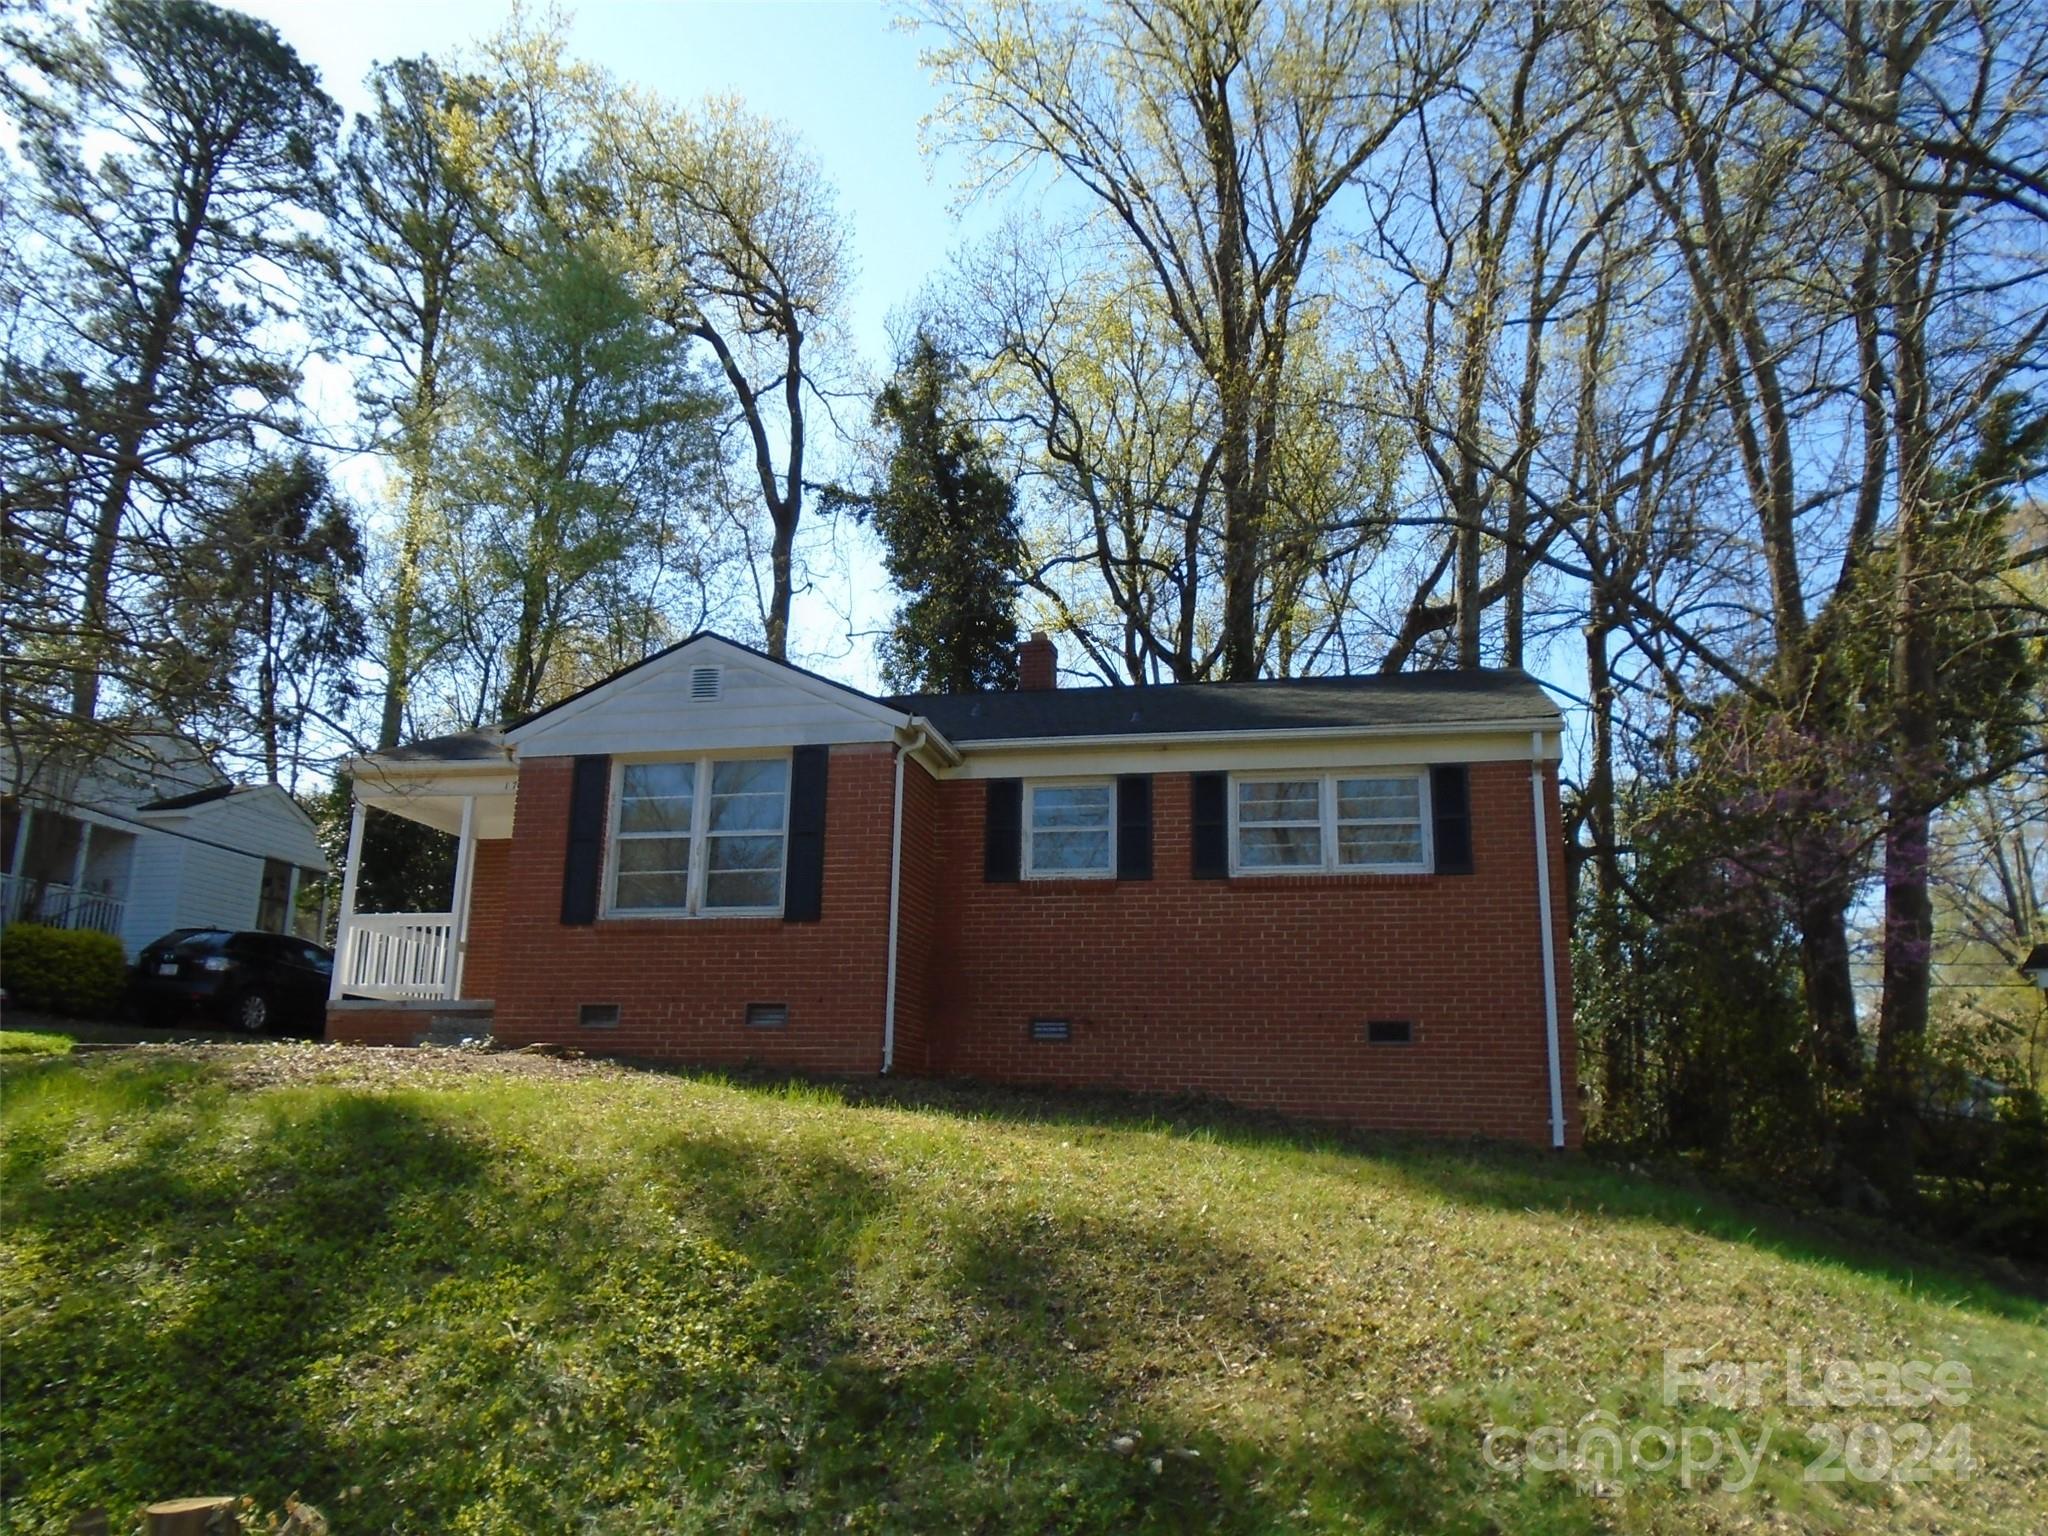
{"type": "Point", "coordinates": [412, 767]}
{"type": "Point", "coordinates": [1522, 726]}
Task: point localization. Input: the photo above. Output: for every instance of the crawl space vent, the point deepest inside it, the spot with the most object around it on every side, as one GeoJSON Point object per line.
{"type": "Point", "coordinates": [1390, 1032]}
{"type": "Point", "coordinates": [598, 1016]}
{"type": "Point", "coordinates": [1051, 1030]}
{"type": "Point", "coordinates": [704, 682]}
{"type": "Point", "coordinates": [767, 1015]}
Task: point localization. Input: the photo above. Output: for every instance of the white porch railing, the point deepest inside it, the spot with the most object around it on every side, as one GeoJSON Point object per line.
{"type": "Point", "coordinates": [23, 900]}
{"type": "Point", "coordinates": [398, 955]}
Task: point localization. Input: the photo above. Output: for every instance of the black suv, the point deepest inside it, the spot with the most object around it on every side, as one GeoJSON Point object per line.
{"type": "Point", "coordinates": [251, 981]}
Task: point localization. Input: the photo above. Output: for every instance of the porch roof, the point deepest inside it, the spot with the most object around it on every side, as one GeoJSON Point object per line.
{"type": "Point", "coordinates": [428, 781]}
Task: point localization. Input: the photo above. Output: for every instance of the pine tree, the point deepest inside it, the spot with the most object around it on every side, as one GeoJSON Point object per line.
{"type": "Point", "coordinates": [948, 525]}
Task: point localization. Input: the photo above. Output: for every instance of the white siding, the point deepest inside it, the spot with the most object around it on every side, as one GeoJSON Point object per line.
{"type": "Point", "coordinates": [263, 820]}
{"type": "Point", "coordinates": [153, 878]}
{"type": "Point", "coordinates": [759, 704]}
{"type": "Point", "coordinates": [219, 889]}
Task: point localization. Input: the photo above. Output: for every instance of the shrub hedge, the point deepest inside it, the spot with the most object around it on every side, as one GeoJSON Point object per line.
{"type": "Point", "coordinates": [63, 970]}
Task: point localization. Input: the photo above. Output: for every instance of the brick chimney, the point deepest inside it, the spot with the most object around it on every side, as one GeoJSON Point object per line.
{"type": "Point", "coordinates": [1038, 664]}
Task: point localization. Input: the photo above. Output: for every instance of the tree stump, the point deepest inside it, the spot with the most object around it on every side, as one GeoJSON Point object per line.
{"type": "Point", "coordinates": [191, 1517]}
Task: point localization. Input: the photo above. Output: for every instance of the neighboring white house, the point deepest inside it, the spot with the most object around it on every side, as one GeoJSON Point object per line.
{"type": "Point", "coordinates": [154, 837]}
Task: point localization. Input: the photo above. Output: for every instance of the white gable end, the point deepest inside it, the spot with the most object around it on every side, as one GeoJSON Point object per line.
{"type": "Point", "coordinates": [705, 696]}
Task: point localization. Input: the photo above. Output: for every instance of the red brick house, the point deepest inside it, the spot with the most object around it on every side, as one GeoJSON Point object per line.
{"type": "Point", "coordinates": [1340, 897]}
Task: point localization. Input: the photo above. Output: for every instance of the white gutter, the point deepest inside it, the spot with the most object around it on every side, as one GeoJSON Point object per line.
{"type": "Point", "coordinates": [1537, 798]}
{"type": "Point", "coordinates": [929, 735]}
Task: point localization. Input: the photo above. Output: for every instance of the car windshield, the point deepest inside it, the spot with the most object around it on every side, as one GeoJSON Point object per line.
{"type": "Point", "coordinates": [193, 941]}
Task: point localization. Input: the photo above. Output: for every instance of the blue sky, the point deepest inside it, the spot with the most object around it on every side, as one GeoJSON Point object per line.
{"type": "Point", "coordinates": [847, 79]}
{"type": "Point", "coordinates": [837, 71]}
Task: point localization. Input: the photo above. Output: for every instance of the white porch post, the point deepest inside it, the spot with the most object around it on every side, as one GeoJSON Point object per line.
{"type": "Point", "coordinates": [75, 902]}
{"type": "Point", "coordinates": [348, 897]}
{"type": "Point", "coordinates": [17, 897]}
{"type": "Point", "coordinates": [465, 874]}
{"type": "Point", "coordinates": [291, 903]}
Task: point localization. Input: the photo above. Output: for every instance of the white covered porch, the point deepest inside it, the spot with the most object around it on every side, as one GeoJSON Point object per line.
{"type": "Point", "coordinates": [470, 792]}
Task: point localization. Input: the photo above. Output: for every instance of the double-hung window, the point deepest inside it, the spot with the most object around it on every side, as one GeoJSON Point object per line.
{"type": "Point", "coordinates": [697, 837]}
{"type": "Point", "coordinates": [1069, 831]}
{"type": "Point", "coordinates": [1350, 820]}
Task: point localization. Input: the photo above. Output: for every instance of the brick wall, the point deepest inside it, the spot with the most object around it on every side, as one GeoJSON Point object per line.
{"type": "Point", "coordinates": [487, 888]}
{"type": "Point", "coordinates": [1255, 990]}
{"type": "Point", "coordinates": [682, 985]}
{"type": "Point", "coordinates": [367, 1023]}
{"type": "Point", "coordinates": [918, 923]}
{"type": "Point", "coordinates": [1258, 990]}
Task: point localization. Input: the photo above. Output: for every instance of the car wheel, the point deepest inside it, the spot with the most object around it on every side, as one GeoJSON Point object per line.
{"type": "Point", "coordinates": [252, 1013]}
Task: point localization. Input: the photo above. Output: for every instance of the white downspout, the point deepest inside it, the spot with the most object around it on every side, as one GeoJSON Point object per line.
{"type": "Point", "coordinates": [1536, 797]}
{"type": "Point", "coordinates": [342, 958]}
{"type": "Point", "coordinates": [895, 905]}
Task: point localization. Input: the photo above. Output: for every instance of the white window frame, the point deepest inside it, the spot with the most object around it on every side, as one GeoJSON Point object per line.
{"type": "Point", "coordinates": [1031, 789]}
{"type": "Point", "coordinates": [699, 837]}
{"type": "Point", "coordinates": [1326, 801]}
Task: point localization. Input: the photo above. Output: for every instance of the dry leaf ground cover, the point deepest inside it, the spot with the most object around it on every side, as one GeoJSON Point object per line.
{"type": "Point", "coordinates": [454, 1292]}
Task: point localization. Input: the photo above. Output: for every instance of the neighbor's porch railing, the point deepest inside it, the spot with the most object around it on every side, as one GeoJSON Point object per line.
{"type": "Point", "coordinates": [23, 900]}
{"type": "Point", "coordinates": [398, 955]}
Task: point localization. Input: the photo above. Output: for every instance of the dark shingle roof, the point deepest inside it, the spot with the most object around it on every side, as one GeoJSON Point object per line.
{"type": "Point", "coordinates": [197, 797]}
{"type": "Point", "coordinates": [460, 747]}
{"type": "Point", "coordinates": [1415, 699]}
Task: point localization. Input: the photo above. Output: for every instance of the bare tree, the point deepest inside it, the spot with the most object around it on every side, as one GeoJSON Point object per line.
{"type": "Point", "coordinates": [1210, 139]}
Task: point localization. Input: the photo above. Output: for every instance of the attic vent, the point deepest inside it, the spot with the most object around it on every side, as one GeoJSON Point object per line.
{"type": "Point", "coordinates": [704, 682]}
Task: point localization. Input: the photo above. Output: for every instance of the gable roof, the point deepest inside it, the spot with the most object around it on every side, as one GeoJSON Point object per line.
{"type": "Point", "coordinates": [1482, 698]}
{"type": "Point", "coordinates": [751, 699]}
{"type": "Point", "coordinates": [197, 797]}
{"type": "Point", "coordinates": [485, 746]}
{"type": "Point", "coordinates": [257, 819]}
{"type": "Point", "coordinates": [1479, 698]}
{"type": "Point", "coordinates": [702, 636]}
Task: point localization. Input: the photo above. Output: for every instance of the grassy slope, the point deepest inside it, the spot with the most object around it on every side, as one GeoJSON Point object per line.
{"type": "Point", "coordinates": [613, 1302]}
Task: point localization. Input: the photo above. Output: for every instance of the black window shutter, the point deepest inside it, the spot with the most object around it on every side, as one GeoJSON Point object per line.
{"type": "Point", "coordinates": [1134, 827]}
{"type": "Point", "coordinates": [1210, 834]}
{"type": "Point", "coordinates": [803, 890]}
{"type": "Point", "coordinates": [590, 786]}
{"type": "Point", "coordinates": [1002, 851]}
{"type": "Point", "coordinates": [1450, 802]}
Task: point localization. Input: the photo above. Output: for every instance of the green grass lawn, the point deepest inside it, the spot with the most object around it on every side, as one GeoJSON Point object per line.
{"type": "Point", "coordinates": [520, 1295]}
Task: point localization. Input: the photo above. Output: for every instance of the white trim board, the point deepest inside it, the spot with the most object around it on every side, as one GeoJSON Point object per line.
{"type": "Point", "coordinates": [1248, 751]}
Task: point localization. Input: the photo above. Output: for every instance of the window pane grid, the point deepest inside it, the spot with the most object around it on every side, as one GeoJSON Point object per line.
{"type": "Point", "coordinates": [740, 820]}
{"type": "Point", "coordinates": [1069, 829]}
{"type": "Point", "coordinates": [1332, 821]}
{"type": "Point", "coordinates": [1379, 822]}
{"type": "Point", "coordinates": [1279, 824]}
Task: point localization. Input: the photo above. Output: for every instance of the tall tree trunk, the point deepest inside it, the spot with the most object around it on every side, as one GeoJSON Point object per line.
{"type": "Point", "coordinates": [1822, 918]}
{"type": "Point", "coordinates": [1908, 902]}
{"type": "Point", "coordinates": [422, 422]}
{"type": "Point", "coordinates": [1230, 366]}
{"type": "Point", "coordinates": [1621, 1045]}
{"type": "Point", "coordinates": [133, 419]}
